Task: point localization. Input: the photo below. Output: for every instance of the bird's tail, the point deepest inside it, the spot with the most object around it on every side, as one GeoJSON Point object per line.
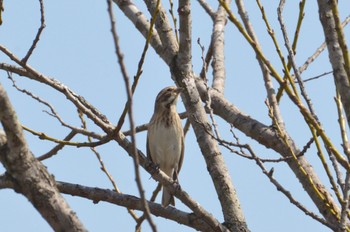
{"type": "Point", "coordinates": [167, 198]}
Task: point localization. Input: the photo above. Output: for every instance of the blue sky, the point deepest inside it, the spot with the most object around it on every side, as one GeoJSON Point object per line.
{"type": "Point", "coordinates": [76, 48]}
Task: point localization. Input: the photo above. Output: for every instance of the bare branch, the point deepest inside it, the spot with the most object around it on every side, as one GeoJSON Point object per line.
{"type": "Point", "coordinates": [207, 8]}
{"type": "Point", "coordinates": [169, 183]}
{"type": "Point", "coordinates": [344, 218]}
{"type": "Point", "coordinates": [217, 43]}
{"type": "Point", "coordinates": [55, 115]}
{"type": "Point", "coordinates": [270, 90]}
{"type": "Point", "coordinates": [131, 119]}
{"type": "Point", "coordinates": [338, 54]}
{"type": "Point", "coordinates": [31, 177]}
{"type": "Point", "coordinates": [171, 11]}
{"type": "Point", "coordinates": [57, 148]}
{"type": "Point", "coordinates": [143, 26]}
{"type": "Point", "coordinates": [166, 34]}
{"type": "Point", "coordinates": [292, 59]}
{"type": "Point", "coordinates": [140, 64]}
{"type": "Point", "coordinates": [280, 188]}
{"type": "Point", "coordinates": [77, 100]}
{"type": "Point", "coordinates": [268, 137]}
{"type": "Point", "coordinates": [40, 30]}
{"type": "Point", "coordinates": [97, 194]}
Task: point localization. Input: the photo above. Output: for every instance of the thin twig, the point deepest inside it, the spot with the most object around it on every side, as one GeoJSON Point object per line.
{"type": "Point", "coordinates": [286, 193]}
{"type": "Point", "coordinates": [139, 66]}
{"type": "Point", "coordinates": [130, 114]}
{"type": "Point", "coordinates": [54, 114]}
{"type": "Point", "coordinates": [320, 49]}
{"type": "Point", "coordinates": [144, 127]}
{"type": "Point", "coordinates": [208, 100]}
{"type": "Point", "coordinates": [57, 148]}
{"type": "Point", "coordinates": [143, 217]}
{"type": "Point", "coordinates": [208, 58]}
{"type": "Point", "coordinates": [295, 41]}
{"type": "Point", "coordinates": [40, 30]}
{"type": "Point", "coordinates": [287, 78]}
{"type": "Point", "coordinates": [303, 110]}
{"type": "Point", "coordinates": [228, 145]}
{"type": "Point", "coordinates": [292, 59]}
{"type": "Point", "coordinates": [171, 11]}
{"type": "Point", "coordinates": [342, 125]}
{"type": "Point", "coordinates": [103, 166]}
{"type": "Point", "coordinates": [44, 136]}
{"type": "Point", "coordinates": [317, 77]}
{"type": "Point", "coordinates": [307, 99]}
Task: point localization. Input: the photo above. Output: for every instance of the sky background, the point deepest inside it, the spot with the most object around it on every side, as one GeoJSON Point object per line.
{"type": "Point", "coordinates": [76, 48]}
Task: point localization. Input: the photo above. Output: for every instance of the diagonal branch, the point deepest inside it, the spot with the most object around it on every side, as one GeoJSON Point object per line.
{"type": "Point", "coordinates": [40, 30]}
{"type": "Point", "coordinates": [182, 71]}
{"type": "Point", "coordinates": [129, 106]}
{"type": "Point", "coordinates": [268, 137]}
{"type": "Point", "coordinates": [163, 26]}
{"type": "Point", "coordinates": [142, 25]}
{"type": "Point", "coordinates": [31, 177]}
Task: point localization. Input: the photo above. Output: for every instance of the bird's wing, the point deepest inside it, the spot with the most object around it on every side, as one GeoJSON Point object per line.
{"type": "Point", "coordinates": [181, 158]}
{"type": "Point", "coordinates": [148, 150]}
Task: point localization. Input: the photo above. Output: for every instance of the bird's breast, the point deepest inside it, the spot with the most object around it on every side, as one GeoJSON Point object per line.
{"type": "Point", "coordinates": [165, 146]}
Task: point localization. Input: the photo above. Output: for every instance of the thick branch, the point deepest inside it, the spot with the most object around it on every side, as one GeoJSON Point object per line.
{"type": "Point", "coordinates": [268, 137]}
{"type": "Point", "coordinates": [124, 200]}
{"type": "Point", "coordinates": [142, 25]}
{"type": "Point", "coordinates": [30, 176]}
{"type": "Point", "coordinates": [217, 43]}
{"type": "Point", "coordinates": [182, 71]}
{"type": "Point", "coordinates": [163, 27]}
{"type": "Point", "coordinates": [336, 55]}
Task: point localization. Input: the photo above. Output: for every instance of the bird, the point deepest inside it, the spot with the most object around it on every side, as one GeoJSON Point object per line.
{"type": "Point", "coordinates": [165, 138]}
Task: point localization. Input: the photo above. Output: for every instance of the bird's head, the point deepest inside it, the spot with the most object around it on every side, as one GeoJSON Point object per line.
{"type": "Point", "coordinates": [167, 97]}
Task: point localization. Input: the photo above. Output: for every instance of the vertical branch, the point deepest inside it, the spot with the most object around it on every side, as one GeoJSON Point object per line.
{"type": "Point", "coordinates": [341, 37]}
{"type": "Point", "coordinates": [336, 53]}
{"type": "Point", "coordinates": [344, 216]}
{"type": "Point", "coordinates": [287, 79]}
{"type": "Point", "coordinates": [171, 11]}
{"type": "Point", "coordinates": [131, 120]}
{"type": "Point", "coordinates": [139, 67]}
{"type": "Point", "coordinates": [346, 145]}
{"type": "Point", "coordinates": [272, 100]}
{"type": "Point", "coordinates": [185, 48]}
{"type": "Point", "coordinates": [292, 59]}
{"type": "Point", "coordinates": [182, 71]}
{"type": "Point", "coordinates": [217, 43]}
{"type": "Point", "coordinates": [295, 41]}
{"type": "Point", "coordinates": [103, 167]}
{"type": "Point", "coordinates": [306, 97]}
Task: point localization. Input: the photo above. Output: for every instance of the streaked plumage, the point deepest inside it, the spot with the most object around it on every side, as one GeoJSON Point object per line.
{"type": "Point", "coordinates": [165, 138]}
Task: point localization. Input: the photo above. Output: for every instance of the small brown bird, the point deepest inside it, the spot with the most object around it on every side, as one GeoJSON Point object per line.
{"type": "Point", "coordinates": [165, 138]}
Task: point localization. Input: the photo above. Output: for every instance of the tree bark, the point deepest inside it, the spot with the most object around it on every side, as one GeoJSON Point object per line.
{"type": "Point", "coordinates": [335, 53]}
{"type": "Point", "coordinates": [29, 175]}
